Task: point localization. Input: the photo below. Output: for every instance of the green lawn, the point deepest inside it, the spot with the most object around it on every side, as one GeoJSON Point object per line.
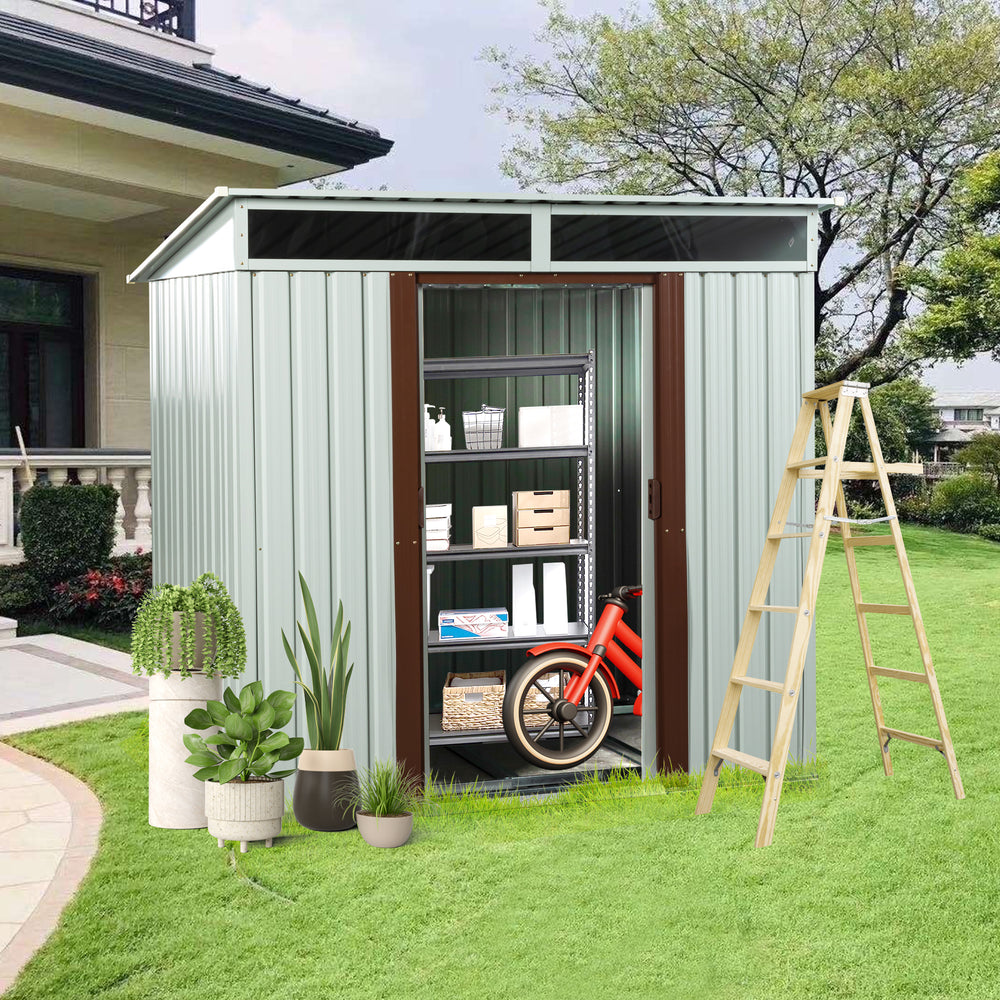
{"type": "Point", "coordinates": [874, 887]}
{"type": "Point", "coordinates": [88, 633]}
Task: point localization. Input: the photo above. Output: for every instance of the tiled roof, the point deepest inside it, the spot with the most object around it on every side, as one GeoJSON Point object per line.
{"type": "Point", "coordinates": [212, 100]}
{"type": "Point", "coordinates": [965, 400]}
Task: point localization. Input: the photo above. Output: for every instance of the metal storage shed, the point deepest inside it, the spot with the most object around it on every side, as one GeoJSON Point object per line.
{"type": "Point", "coordinates": [287, 345]}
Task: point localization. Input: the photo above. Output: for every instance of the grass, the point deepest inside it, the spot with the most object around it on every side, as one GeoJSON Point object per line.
{"type": "Point", "coordinates": [40, 625]}
{"type": "Point", "coordinates": [875, 887]}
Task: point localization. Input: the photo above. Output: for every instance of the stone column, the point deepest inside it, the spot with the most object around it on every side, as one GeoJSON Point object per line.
{"type": "Point", "coordinates": [116, 477]}
{"type": "Point", "coordinates": [143, 509]}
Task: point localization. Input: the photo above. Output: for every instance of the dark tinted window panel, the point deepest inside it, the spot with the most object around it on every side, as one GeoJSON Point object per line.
{"type": "Point", "coordinates": [678, 237]}
{"type": "Point", "coordinates": [389, 236]}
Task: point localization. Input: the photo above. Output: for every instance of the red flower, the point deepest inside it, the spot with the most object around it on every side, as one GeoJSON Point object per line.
{"type": "Point", "coordinates": [138, 551]}
{"type": "Point", "coordinates": [93, 576]}
{"type": "Point", "coordinates": [136, 587]}
{"type": "Point", "coordinates": [92, 595]}
{"type": "Point", "coordinates": [118, 583]}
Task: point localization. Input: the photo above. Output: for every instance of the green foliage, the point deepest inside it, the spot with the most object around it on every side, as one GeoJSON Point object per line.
{"type": "Point", "coordinates": [904, 418]}
{"type": "Point", "coordinates": [916, 508]}
{"type": "Point", "coordinates": [386, 789]}
{"type": "Point", "coordinates": [964, 502]}
{"type": "Point", "coordinates": [20, 590]}
{"type": "Point", "coordinates": [983, 453]}
{"type": "Point", "coordinates": [990, 531]}
{"type": "Point", "coordinates": [108, 597]}
{"type": "Point", "coordinates": [154, 623]}
{"type": "Point", "coordinates": [249, 743]}
{"type": "Point", "coordinates": [884, 103]}
{"type": "Point", "coordinates": [67, 529]}
{"type": "Point", "coordinates": [326, 697]}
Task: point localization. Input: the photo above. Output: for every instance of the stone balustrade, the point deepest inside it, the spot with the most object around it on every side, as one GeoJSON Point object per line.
{"type": "Point", "coordinates": [129, 472]}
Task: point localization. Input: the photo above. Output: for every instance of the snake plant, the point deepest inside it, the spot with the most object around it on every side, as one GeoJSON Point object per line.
{"type": "Point", "coordinates": [326, 696]}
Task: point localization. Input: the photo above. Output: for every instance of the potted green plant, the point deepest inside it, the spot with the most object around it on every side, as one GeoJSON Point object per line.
{"type": "Point", "coordinates": [186, 639]}
{"type": "Point", "coordinates": [327, 774]}
{"type": "Point", "coordinates": [385, 800]}
{"type": "Point", "coordinates": [244, 795]}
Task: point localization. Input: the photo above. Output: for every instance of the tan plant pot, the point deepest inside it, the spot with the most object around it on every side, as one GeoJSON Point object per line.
{"type": "Point", "coordinates": [385, 831]}
{"type": "Point", "coordinates": [245, 810]}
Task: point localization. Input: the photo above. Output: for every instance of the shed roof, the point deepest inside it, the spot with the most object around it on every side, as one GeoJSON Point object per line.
{"type": "Point", "coordinates": [202, 97]}
{"type": "Point", "coordinates": [222, 197]}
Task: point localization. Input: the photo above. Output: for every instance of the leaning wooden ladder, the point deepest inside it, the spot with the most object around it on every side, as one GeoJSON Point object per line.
{"type": "Point", "coordinates": [831, 497]}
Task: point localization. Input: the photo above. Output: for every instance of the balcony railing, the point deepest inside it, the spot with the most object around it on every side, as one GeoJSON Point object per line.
{"type": "Point", "coordinates": [129, 472]}
{"type": "Point", "coordinates": [943, 470]}
{"type": "Point", "coordinates": [173, 17]}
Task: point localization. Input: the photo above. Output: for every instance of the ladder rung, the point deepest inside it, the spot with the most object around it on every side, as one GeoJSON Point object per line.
{"type": "Point", "coordinates": [807, 462]}
{"type": "Point", "coordinates": [866, 470]}
{"type": "Point", "coordinates": [903, 675]}
{"type": "Point", "coordinates": [870, 540]}
{"type": "Point", "coordinates": [774, 607]}
{"type": "Point", "coordinates": [759, 682]}
{"type": "Point", "coordinates": [741, 759]}
{"type": "Point", "coordinates": [790, 534]}
{"type": "Point", "coordinates": [927, 741]}
{"type": "Point", "coordinates": [885, 609]}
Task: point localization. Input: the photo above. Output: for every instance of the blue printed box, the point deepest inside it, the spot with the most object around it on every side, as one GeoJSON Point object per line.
{"type": "Point", "coordinates": [477, 623]}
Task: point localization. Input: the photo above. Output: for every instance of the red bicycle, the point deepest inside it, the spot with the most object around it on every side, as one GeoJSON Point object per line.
{"type": "Point", "coordinates": [558, 706]}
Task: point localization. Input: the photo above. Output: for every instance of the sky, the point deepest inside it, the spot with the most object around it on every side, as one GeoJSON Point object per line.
{"type": "Point", "coordinates": [414, 72]}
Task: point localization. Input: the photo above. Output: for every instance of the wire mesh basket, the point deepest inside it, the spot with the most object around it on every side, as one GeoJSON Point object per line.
{"type": "Point", "coordinates": [483, 428]}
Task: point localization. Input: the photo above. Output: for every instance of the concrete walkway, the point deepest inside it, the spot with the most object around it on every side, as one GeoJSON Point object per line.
{"type": "Point", "coordinates": [49, 820]}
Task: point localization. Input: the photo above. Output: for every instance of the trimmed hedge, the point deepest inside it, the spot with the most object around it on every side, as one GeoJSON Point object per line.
{"type": "Point", "coordinates": [990, 531]}
{"type": "Point", "coordinates": [67, 529]}
{"type": "Point", "coordinates": [20, 590]}
{"type": "Point", "coordinates": [965, 502]}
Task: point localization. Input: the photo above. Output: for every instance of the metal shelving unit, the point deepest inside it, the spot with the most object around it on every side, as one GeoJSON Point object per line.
{"type": "Point", "coordinates": [584, 549]}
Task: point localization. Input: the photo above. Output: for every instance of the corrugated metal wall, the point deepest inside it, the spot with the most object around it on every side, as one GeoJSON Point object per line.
{"type": "Point", "coordinates": [748, 357]}
{"type": "Point", "coordinates": [272, 457]}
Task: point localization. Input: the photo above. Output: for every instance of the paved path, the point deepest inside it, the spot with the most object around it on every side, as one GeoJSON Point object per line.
{"type": "Point", "coordinates": [49, 820]}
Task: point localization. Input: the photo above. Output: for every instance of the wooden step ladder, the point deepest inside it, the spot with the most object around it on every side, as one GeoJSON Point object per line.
{"type": "Point", "coordinates": [832, 470]}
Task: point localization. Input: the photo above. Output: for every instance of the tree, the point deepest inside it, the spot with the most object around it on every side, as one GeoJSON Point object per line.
{"type": "Point", "coordinates": [983, 453]}
{"type": "Point", "coordinates": [882, 102]}
{"type": "Point", "coordinates": [904, 417]}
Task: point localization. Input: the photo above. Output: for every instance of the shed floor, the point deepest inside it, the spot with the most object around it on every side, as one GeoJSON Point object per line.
{"type": "Point", "coordinates": [498, 767]}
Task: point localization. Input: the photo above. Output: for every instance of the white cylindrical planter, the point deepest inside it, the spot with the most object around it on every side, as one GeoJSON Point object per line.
{"type": "Point", "coordinates": [245, 810]}
{"type": "Point", "coordinates": [176, 797]}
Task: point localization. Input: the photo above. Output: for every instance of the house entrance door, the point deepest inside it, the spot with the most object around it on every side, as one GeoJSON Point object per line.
{"type": "Point", "coordinates": [41, 358]}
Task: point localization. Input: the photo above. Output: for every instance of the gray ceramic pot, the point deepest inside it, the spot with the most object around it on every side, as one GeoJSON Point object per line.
{"type": "Point", "coordinates": [385, 831]}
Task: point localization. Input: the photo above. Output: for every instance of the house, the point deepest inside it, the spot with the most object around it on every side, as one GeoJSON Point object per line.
{"type": "Point", "coordinates": [291, 365]}
{"type": "Point", "coordinates": [963, 414]}
{"type": "Point", "coordinates": [116, 125]}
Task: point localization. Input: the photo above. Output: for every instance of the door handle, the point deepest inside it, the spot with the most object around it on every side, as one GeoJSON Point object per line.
{"type": "Point", "coordinates": [654, 506]}
{"type": "Point", "coordinates": [420, 508]}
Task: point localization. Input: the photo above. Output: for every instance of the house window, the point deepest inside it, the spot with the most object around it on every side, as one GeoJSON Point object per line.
{"type": "Point", "coordinates": [354, 235]}
{"type": "Point", "coordinates": [41, 358]}
{"type": "Point", "coordinates": [678, 237]}
{"type": "Point", "coordinates": [969, 415]}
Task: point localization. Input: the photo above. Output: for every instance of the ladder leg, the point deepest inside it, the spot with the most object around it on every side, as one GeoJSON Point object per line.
{"type": "Point", "coordinates": [852, 573]}
{"type": "Point", "coordinates": [948, 748]}
{"type": "Point", "coordinates": [758, 596]}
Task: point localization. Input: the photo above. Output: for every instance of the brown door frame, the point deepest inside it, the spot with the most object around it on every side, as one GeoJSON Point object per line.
{"type": "Point", "coordinates": [670, 570]}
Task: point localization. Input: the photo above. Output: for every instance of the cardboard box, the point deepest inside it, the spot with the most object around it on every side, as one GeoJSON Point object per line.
{"type": "Point", "coordinates": [489, 527]}
{"type": "Point", "coordinates": [544, 517]}
{"type": "Point", "coordinates": [543, 536]}
{"type": "Point", "coordinates": [535, 499]}
{"type": "Point", "coordinates": [475, 623]}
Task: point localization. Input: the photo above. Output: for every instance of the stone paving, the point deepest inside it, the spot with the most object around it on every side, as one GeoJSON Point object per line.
{"type": "Point", "coordinates": [49, 820]}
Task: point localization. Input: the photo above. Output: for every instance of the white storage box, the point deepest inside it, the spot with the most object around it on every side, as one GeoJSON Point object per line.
{"type": "Point", "coordinates": [489, 527]}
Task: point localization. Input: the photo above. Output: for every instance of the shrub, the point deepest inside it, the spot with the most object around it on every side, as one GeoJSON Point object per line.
{"type": "Point", "coordinates": [916, 508]}
{"type": "Point", "coordinates": [965, 502]}
{"type": "Point", "coordinates": [990, 531]}
{"type": "Point", "coordinates": [109, 597]}
{"type": "Point", "coordinates": [20, 590]}
{"type": "Point", "coordinates": [67, 529]}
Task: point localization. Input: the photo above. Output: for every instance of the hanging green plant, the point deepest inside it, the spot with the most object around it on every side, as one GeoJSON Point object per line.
{"type": "Point", "coordinates": [153, 632]}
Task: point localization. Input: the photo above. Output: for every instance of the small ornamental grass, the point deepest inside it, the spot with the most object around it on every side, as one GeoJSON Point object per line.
{"type": "Point", "coordinates": [153, 632]}
{"type": "Point", "coordinates": [250, 743]}
{"type": "Point", "coordinates": [385, 789]}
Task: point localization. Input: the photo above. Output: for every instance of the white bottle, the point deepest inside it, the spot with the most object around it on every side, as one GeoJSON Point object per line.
{"type": "Point", "coordinates": [430, 429]}
{"type": "Point", "coordinates": [442, 432]}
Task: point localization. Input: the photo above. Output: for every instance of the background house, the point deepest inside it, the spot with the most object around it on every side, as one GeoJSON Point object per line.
{"type": "Point", "coordinates": [963, 414]}
{"type": "Point", "coordinates": [116, 124]}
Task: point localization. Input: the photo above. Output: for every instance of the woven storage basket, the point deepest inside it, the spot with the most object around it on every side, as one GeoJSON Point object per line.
{"type": "Point", "coordinates": [484, 710]}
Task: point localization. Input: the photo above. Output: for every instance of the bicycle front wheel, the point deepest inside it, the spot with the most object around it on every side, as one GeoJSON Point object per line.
{"type": "Point", "coordinates": [537, 728]}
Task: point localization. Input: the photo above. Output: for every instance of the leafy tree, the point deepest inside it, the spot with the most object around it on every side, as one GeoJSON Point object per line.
{"type": "Point", "coordinates": [904, 417]}
{"type": "Point", "coordinates": [983, 453]}
{"type": "Point", "coordinates": [882, 102]}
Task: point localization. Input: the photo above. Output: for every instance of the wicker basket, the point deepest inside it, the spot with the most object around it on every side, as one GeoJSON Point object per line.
{"type": "Point", "coordinates": [484, 709]}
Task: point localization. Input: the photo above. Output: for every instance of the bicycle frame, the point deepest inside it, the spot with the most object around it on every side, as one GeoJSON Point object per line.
{"type": "Point", "coordinates": [604, 646]}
